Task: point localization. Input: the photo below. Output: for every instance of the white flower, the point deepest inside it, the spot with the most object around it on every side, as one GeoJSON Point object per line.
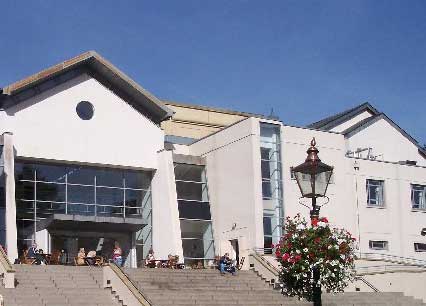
{"type": "Point", "coordinates": [300, 227]}
{"type": "Point", "coordinates": [305, 250]}
{"type": "Point", "coordinates": [298, 251]}
{"type": "Point", "coordinates": [322, 224]}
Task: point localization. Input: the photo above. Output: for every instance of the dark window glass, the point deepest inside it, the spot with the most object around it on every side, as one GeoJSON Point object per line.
{"type": "Point", "coordinates": [25, 228]}
{"type": "Point", "coordinates": [193, 248]}
{"type": "Point", "coordinates": [267, 226]}
{"type": "Point", "coordinates": [137, 198]}
{"type": "Point", "coordinates": [186, 172]}
{"type": "Point", "coordinates": [85, 110]}
{"type": "Point", "coordinates": [264, 153]}
{"type": "Point", "coordinates": [109, 196]}
{"type": "Point", "coordinates": [137, 179]}
{"type": "Point", "coordinates": [24, 171]}
{"type": "Point", "coordinates": [49, 173]}
{"type": "Point", "coordinates": [266, 190]}
{"type": "Point", "coordinates": [109, 177]}
{"type": "Point", "coordinates": [81, 175]}
{"type": "Point", "coordinates": [24, 190]}
{"type": "Point", "coordinates": [267, 242]}
{"type": "Point", "coordinates": [191, 191]}
{"type": "Point", "coordinates": [81, 194]}
{"type": "Point", "coordinates": [194, 210]}
{"type": "Point", "coordinates": [420, 247]}
{"type": "Point", "coordinates": [50, 192]}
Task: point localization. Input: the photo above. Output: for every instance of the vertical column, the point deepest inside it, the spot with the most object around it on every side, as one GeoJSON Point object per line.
{"type": "Point", "coordinates": [9, 171]}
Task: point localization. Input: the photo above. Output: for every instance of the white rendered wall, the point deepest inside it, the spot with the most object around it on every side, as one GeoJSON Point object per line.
{"type": "Point", "coordinates": [387, 143]}
{"type": "Point", "coordinates": [341, 208]}
{"type": "Point", "coordinates": [47, 126]}
{"type": "Point", "coordinates": [234, 181]}
{"type": "Point", "coordinates": [397, 222]}
{"type": "Point", "coordinates": [166, 235]}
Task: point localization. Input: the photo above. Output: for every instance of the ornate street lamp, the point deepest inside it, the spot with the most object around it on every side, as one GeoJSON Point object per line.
{"type": "Point", "coordinates": [313, 177]}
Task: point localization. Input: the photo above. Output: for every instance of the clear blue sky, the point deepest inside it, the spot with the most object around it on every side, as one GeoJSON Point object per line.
{"type": "Point", "coordinates": [304, 59]}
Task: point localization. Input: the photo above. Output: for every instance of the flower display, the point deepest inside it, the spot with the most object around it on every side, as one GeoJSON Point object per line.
{"type": "Point", "coordinates": [319, 245]}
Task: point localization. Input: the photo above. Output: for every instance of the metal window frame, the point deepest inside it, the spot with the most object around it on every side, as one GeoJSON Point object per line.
{"type": "Point", "coordinates": [381, 185]}
{"type": "Point", "coordinates": [385, 245]}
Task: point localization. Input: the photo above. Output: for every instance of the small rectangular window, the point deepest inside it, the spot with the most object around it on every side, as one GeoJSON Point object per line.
{"type": "Point", "coordinates": [375, 193]}
{"type": "Point", "coordinates": [378, 245]}
{"type": "Point", "coordinates": [418, 197]}
{"type": "Point", "coordinates": [420, 247]}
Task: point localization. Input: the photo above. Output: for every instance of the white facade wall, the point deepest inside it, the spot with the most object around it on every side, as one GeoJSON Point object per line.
{"type": "Point", "coordinates": [166, 235]}
{"type": "Point", "coordinates": [47, 127]}
{"type": "Point", "coordinates": [396, 222]}
{"type": "Point", "coordinates": [387, 143]}
{"type": "Point", "coordinates": [234, 182]}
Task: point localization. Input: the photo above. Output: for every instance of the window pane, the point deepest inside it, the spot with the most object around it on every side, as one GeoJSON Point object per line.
{"type": "Point", "coordinates": [267, 242]}
{"type": "Point", "coordinates": [196, 229]}
{"type": "Point", "coordinates": [194, 210]}
{"type": "Point", "coordinates": [24, 171]}
{"type": "Point", "coordinates": [267, 226]}
{"type": "Point", "coordinates": [50, 192]}
{"type": "Point", "coordinates": [186, 172]}
{"type": "Point", "coordinates": [81, 194]}
{"type": "Point", "coordinates": [191, 191]}
{"type": "Point", "coordinates": [109, 177]}
{"type": "Point", "coordinates": [51, 173]}
{"type": "Point", "coordinates": [24, 190]}
{"type": "Point", "coordinates": [81, 175]}
{"type": "Point", "coordinates": [137, 179]}
{"type": "Point", "coordinates": [137, 198]}
{"type": "Point", "coordinates": [109, 196]}
{"type": "Point", "coordinates": [266, 169]}
{"type": "Point", "coordinates": [266, 189]}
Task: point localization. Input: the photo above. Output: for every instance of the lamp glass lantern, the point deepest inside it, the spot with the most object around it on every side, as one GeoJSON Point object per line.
{"type": "Point", "coordinates": [313, 176]}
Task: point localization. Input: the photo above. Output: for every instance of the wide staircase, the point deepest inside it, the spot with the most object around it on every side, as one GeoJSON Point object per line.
{"type": "Point", "coordinates": [208, 287]}
{"type": "Point", "coordinates": [57, 286]}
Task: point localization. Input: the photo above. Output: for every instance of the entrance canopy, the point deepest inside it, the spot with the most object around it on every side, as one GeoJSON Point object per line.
{"type": "Point", "coordinates": [80, 223]}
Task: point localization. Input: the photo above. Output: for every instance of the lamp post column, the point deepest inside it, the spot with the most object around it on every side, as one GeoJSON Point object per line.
{"type": "Point", "coordinates": [316, 292]}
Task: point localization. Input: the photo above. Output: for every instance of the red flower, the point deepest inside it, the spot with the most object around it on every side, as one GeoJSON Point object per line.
{"type": "Point", "coordinates": [297, 258]}
{"type": "Point", "coordinates": [285, 257]}
{"type": "Point", "coordinates": [272, 246]}
{"type": "Point", "coordinates": [314, 221]}
{"type": "Point", "coordinates": [324, 219]}
{"type": "Point", "coordinates": [317, 240]}
{"type": "Point", "coordinates": [278, 253]}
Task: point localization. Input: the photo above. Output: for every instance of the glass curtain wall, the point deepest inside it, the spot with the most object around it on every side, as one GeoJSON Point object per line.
{"type": "Point", "coordinates": [272, 194]}
{"type": "Point", "coordinates": [44, 189]}
{"type": "Point", "coordinates": [194, 214]}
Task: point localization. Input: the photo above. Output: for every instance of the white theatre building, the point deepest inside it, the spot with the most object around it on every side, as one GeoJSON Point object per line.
{"type": "Point", "coordinates": [88, 157]}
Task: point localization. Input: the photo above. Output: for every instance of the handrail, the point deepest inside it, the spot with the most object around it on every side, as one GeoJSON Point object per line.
{"type": "Point", "coordinates": [383, 269]}
{"type": "Point", "coordinates": [266, 264]}
{"type": "Point", "coordinates": [137, 292]}
{"type": "Point", "coordinates": [4, 260]}
{"type": "Point", "coordinates": [393, 258]}
{"type": "Point", "coordinates": [367, 283]}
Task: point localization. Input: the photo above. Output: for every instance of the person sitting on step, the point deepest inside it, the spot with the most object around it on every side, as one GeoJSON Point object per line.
{"type": "Point", "coordinates": [91, 258]}
{"type": "Point", "coordinates": [80, 257]}
{"type": "Point", "coordinates": [117, 254]}
{"type": "Point", "coordinates": [226, 265]}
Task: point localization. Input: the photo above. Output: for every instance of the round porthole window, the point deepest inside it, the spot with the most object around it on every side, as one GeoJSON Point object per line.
{"type": "Point", "coordinates": [85, 110]}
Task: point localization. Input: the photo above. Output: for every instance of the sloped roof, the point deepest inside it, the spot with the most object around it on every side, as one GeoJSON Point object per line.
{"type": "Point", "coordinates": [99, 68]}
{"type": "Point", "coordinates": [334, 120]}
